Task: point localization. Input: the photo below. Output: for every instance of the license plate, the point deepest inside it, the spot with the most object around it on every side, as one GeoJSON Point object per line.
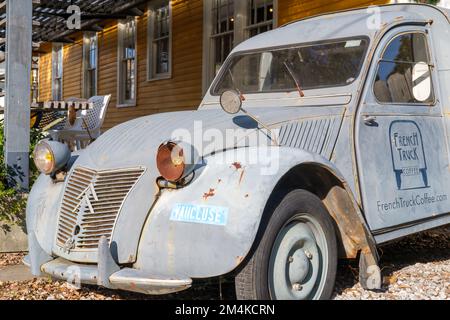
{"type": "Point", "coordinates": [191, 213]}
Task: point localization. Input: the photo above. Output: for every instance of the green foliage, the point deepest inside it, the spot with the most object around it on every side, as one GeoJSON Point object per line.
{"type": "Point", "coordinates": [433, 2]}
{"type": "Point", "coordinates": [12, 201]}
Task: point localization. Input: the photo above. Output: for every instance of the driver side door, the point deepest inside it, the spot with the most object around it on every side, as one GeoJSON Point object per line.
{"type": "Point", "coordinates": [400, 142]}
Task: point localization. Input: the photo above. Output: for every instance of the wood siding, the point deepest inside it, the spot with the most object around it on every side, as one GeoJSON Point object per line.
{"type": "Point", "coordinates": [183, 91]}
{"type": "Point", "coordinates": [107, 68]}
{"type": "Point", "coordinates": [45, 75]}
{"type": "Point", "coordinates": [291, 10]}
{"type": "Point", "coordinates": [72, 68]}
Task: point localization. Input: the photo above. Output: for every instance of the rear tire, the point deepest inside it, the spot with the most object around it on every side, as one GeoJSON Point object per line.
{"type": "Point", "coordinates": [296, 258]}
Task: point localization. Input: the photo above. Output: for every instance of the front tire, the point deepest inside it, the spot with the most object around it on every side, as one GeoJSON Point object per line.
{"type": "Point", "coordinates": [296, 258]}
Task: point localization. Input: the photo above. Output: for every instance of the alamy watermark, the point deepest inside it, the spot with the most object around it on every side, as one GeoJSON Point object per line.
{"type": "Point", "coordinates": [74, 20]}
{"type": "Point", "coordinates": [257, 147]}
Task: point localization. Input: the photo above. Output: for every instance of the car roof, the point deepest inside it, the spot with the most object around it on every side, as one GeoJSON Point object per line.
{"type": "Point", "coordinates": [446, 11]}
{"type": "Point", "coordinates": [342, 24]}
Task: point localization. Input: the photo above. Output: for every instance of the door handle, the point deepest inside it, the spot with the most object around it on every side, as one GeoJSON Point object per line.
{"type": "Point", "coordinates": [370, 121]}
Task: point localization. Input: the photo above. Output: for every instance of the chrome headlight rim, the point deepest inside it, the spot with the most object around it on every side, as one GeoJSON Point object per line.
{"type": "Point", "coordinates": [59, 155]}
{"type": "Point", "coordinates": [39, 145]}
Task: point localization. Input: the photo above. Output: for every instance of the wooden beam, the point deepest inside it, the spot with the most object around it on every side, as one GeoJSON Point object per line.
{"type": "Point", "coordinates": [64, 40]}
{"type": "Point", "coordinates": [94, 27]}
{"type": "Point", "coordinates": [35, 45]}
{"type": "Point", "coordinates": [135, 12]}
{"type": "Point", "coordinates": [119, 7]}
{"type": "Point", "coordinates": [3, 23]}
{"type": "Point", "coordinates": [87, 15]}
{"type": "Point", "coordinates": [50, 16]}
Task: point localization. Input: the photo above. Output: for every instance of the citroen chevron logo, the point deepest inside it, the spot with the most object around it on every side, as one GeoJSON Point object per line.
{"type": "Point", "coordinates": [82, 206]}
{"type": "Point", "coordinates": [84, 198]}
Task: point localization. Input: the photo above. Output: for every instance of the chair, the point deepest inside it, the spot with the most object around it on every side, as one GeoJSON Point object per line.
{"type": "Point", "coordinates": [87, 126]}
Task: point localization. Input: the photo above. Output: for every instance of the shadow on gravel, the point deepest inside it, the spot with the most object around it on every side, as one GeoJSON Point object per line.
{"type": "Point", "coordinates": [426, 247]}
{"type": "Point", "coordinates": [201, 290]}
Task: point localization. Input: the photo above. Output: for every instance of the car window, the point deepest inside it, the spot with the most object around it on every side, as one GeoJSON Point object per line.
{"type": "Point", "coordinates": [404, 72]}
{"type": "Point", "coordinates": [324, 64]}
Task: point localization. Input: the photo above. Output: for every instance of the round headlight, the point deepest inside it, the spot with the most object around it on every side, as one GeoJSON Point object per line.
{"type": "Point", "coordinates": [51, 156]}
{"type": "Point", "coordinates": [175, 160]}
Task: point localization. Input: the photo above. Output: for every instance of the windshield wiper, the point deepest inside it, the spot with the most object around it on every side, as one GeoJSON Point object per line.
{"type": "Point", "coordinates": [235, 87]}
{"type": "Point", "coordinates": [294, 77]}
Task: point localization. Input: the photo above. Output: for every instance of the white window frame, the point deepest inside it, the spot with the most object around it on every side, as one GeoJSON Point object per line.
{"type": "Point", "coordinates": [151, 55]}
{"type": "Point", "coordinates": [86, 51]}
{"type": "Point", "coordinates": [241, 33]}
{"type": "Point", "coordinates": [55, 51]}
{"type": "Point", "coordinates": [121, 102]}
{"type": "Point", "coordinates": [247, 24]}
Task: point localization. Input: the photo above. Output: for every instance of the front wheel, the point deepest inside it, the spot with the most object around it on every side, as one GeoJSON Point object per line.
{"type": "Point", "coordinates": [296, 258]}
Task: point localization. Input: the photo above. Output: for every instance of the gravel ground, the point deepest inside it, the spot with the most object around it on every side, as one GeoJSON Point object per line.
{"type": "Point", "coordinates": [11, 259]}
{"type": "Point", "coordinates": [417, 267]}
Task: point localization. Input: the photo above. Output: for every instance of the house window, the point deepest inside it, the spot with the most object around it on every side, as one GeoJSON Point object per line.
{"type": "Point", "coordinates": [260, 17]}
{"type": "Point", "coordinates": [57, 72]}
{"type": "Point", "coordinates": [127, 63]}
{"type": "Point", "coordinates": [228, 23]}
{"type": "Point", "coordinates": [160, 41]}
{"type": "Point", "coordinates": [223, 31]}
{"type": "Point", "coordinates": [90, 60]}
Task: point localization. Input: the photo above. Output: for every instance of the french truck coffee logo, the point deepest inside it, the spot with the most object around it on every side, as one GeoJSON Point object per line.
{"type": "Point", "coordinates": [408, 156]}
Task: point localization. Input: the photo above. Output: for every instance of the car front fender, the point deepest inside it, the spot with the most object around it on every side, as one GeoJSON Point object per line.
{"type": "Point", "coordinates": [42, 207]}
{"type": "Point", "coordinates": [233, 184]}
{"type": "Point", "coordinates": [41, 220]}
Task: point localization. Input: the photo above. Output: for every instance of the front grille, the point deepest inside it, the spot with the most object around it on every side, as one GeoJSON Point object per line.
{"type": "Point", "coordinates": [91, 204]}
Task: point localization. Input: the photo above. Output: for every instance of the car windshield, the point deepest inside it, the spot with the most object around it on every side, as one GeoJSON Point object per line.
{"type": "Point", "coordinates": [325, 64]}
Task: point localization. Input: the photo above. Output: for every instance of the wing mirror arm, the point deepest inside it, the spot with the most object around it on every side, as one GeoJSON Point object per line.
{"type": "Point", "coordinates": [231, 103]}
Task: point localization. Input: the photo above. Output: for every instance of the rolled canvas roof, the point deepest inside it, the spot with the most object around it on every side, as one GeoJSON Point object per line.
{"type": "Point", "coordinates": [343, 24]}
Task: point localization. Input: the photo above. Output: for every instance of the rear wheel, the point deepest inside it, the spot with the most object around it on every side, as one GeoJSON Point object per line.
{"type": "Point", "coordinates": [296, 258]}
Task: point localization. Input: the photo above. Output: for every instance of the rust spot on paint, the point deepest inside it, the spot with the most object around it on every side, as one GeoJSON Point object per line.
{"type": "Point", "coordinates": [237, 165]}
{"type": "Point", "coordinates": [219, 181]}
{"type": "Point", "coordinates": [239, 260]}
{"type": "Point", "coordinates": [247, 195]}
{"type": "Point", "coordinates": [210, 193]}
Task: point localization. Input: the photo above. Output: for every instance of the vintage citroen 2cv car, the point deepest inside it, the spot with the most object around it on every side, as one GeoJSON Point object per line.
{"type": "Point", "coordinates": [353, 118]}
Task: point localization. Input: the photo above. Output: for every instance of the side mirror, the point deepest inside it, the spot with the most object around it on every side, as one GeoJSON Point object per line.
{"type": "Point", "coordinates": [231, 101]}
{"type": "Point", "coordinates": [421, 79]}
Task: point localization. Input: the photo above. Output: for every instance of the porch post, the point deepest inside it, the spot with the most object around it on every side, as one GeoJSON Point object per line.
{"type": "Point", "coordinates": [19, 16]}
